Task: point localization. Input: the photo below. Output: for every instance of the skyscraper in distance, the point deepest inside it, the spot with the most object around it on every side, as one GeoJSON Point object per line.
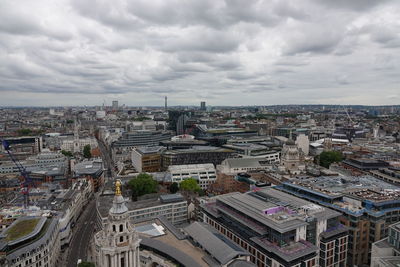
{"type": "Point", "coordinates": [203, 105]}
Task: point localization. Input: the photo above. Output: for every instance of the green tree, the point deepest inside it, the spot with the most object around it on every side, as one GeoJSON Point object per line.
{"type": "Point", "coordinates": [326, 158]}
{"type": "Point", "coordinates": [141, 185]}
{"type": "Point", "coordinates": [189, 185]}
{"type": "Point", "coordinates": [86, 152]}
{"type": "Point", "coordinates": [66, 153]}
{"type": "Point", "coordinates": [24, 132]}
{"type": "Point", "coordinates": [174, 188]}
{"type": "Point", "coordinates": [86, 264]}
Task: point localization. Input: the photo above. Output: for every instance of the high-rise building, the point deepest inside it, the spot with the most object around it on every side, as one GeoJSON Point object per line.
{"type": "Point", "coordinates": [117, 244]}
{"type": "Point", "coordinates": [115, 105]}
{"type": "Point", "coordinates": [203, 105]}
{"type": "Point", "coordinates": [166, 104]}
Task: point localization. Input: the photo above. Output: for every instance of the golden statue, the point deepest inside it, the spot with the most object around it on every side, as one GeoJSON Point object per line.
{"type": "Point", "coordinates": [118, 188]}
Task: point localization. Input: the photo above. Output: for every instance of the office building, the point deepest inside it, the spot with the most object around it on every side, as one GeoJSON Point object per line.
{"type": "Point", "coordinates": [30, 241]}
{"type": "Point", "coordinates": [147, 158]}
{"type": "Point", "coordinates": [279, 229]}
{"type": "Point", "coordinates": [172, 206]}
{"type": "Point", "coordinates": [24, 147]}
{"type": "Point", "coordinates": [205, 174]}
{"type": "Point", "coordinates": [238, 165]}
{"type": "Point", "coordinates": [247, 150]}
{"type": "Point", "coordinates": [368, 206]}
{"type": "Point", "coordinates": [195, 155]}
{"type": "Point", "coordinates": [141, 138]}
{"type": "Point", "coordinates": [114, 105]}
{"type": "Point", "coordinates": [386, 252]}
{"type": "Point", "coordinates": [203, 105]}
{"type": "Point", "coordinates": [92, 171]}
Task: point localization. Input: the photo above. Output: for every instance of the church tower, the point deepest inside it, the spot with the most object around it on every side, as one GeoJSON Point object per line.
{"type": "Point", "coordinates": [117, 245]}
{"type": "Point", "coordinates": [77, 148]}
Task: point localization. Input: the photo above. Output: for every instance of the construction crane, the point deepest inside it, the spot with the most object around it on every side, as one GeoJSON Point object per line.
{"type": "Point", "coordinates": [27, 183]}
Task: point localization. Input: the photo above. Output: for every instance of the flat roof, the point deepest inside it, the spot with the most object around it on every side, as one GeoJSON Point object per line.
{"type": "Point", "coordinates": [272, 208]}
{"type": "Point", "coordinates": [189, 167]}
{"type": "Point", "coordinates": [176, 247]}
{"type": "Point", "coordinates": [247, 162]}
{"type": "Point", "coordinates": [366, 187]}
{"type": "Point", "coordinates": [149, 149]}
{"type": "Point", "coordinates": [105, 202]}
{"type": "Point", "coordinates": [22, 229]}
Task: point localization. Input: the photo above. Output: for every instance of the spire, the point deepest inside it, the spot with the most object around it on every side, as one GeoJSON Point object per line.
{"type": "Point", "coordinates": [118, 188]}
{"type": "Point", "coordinates": [118, 206]}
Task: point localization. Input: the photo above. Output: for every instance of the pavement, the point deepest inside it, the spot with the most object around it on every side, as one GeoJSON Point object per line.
{"type": "Point", "coordinates": [82, 236]}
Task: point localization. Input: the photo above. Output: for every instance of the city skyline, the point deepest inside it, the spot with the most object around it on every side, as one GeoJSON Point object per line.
{"type": "Point", "coordinates": [227, 53]}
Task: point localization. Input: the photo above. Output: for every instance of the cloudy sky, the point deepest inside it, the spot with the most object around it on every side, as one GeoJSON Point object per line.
{"type": "Point", "coordinates": [232, 52]}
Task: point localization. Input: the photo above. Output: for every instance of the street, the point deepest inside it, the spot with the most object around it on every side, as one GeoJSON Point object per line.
{"type": "Point", "coordinates": [82, 236]}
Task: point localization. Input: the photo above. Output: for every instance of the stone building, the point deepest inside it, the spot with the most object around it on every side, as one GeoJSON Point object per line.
{"type": "Point", "coordinates": [117, 245]}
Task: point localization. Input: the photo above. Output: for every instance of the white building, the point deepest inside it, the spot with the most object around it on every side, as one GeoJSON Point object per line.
{"type": "Point", "coordinates": [171, 206]}
{"type": "Point", "coordinates": [205, 174]}
{"type": "Point", "coordinates": [117, 245]}
{"type": "Point", "coordinates": [238, 165]}
{"type": "Point", "coordinates": [77, 146]}
{"type": "Point", "coordinates": [303, 143]}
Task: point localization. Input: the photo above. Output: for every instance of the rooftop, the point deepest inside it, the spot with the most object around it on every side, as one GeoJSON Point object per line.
{"type": "Point", "coordinates": [149, 149]}
{"type": "Point", "coordinates": [269, 207]}
{"type": "Point", "coordinates": [105, 202]}
{"type": "Point", "coordinates": [366, 187]}
{"type": "Point", "coordinates": [221, 248]}
{"type": "Point", "coordinates": [172, 245]}
{"type": "Point", "coordinates": [199, 149]}
{"type": "Point", "coordinates": [187, 167]}
{"type": "Point", "coordinates": [247, 162]}
{"type": "Point", "coordinates": [89, 167]}
{"type": "Point", "coordinates": [20, 228]}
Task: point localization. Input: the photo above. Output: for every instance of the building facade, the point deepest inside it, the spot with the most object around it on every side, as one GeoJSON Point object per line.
{"type": "Point", "coordinates": [147, 159]}
{"type": "Point", "coordinates": [279, 229]}
{"type": "Point", "coordinates": [368, 207]}
{"type": "Point", "coordinates": [386, 252]}
{"type": "Point", "coordinates": [38, 247]}
{"type": "Point", "coordinates": [205, 174]}
{"type": "Point", "coordinates": [195, 155]}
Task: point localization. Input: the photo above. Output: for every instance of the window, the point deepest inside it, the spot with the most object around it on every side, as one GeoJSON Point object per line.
{"type": "Point", "coordinates": [121, 228]}
{"type": "Point", "coordinates": [114, 230]}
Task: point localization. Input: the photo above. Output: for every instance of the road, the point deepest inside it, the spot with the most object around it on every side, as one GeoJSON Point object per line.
{"type": "Point", "coordinates": [107, 161]}
{"type": "Point", "coordinates": [83, 232]}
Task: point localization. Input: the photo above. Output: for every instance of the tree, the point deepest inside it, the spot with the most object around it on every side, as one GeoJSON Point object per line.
{"type": "Point", "coordinates": [189, 185]}
{"type": "Point", "coordinates": [24, 132]}
{"type": "Point", "coordinates": [66, 153]}
{"type": "Point", "coordinates": [141, 185]}
{"type": "Point", "coordinates": [326, 158]}
{"type": "Point", "coordinates": [86, 264]}
{"type": "Point", "coordinates": [174, 188]}
{"type": "Point", "coordinates": [86, 152]}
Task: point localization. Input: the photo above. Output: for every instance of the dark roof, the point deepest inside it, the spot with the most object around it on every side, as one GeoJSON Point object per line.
{"type": "Point", "coordinates": [166, 249]}
{"type": "Point", "coordinates": [221, 248]}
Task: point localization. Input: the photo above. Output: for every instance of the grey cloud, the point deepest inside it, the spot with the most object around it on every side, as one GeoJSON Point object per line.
{"type": "Point", "coordinates": [355, 5]}
{"type": "Point", "coordinates": [227, 52]}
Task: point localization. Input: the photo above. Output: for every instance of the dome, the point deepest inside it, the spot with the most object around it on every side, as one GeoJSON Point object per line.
{"type": "Point", "coordinates": [290, 142]}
